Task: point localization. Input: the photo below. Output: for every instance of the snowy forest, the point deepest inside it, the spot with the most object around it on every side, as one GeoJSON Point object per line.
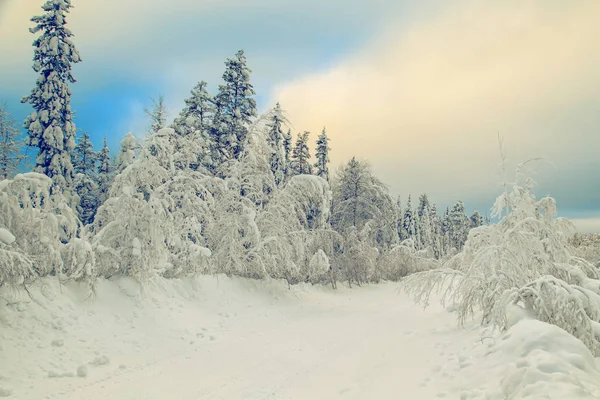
{"type": "Point", "coordinates": [224, 189]}
{"type": "Point", "coordinates": [219, 190]}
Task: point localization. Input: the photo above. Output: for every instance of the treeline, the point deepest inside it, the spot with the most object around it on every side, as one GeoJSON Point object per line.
{"type": "Point", "coordinates": [220, 190]}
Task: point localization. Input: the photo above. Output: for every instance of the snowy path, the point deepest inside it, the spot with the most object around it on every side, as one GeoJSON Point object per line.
{"type": "Point", "coordinates": [352, 344]}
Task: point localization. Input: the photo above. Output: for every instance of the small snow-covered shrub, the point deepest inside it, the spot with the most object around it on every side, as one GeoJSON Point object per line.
{"type": "Point", "coordinates": [79, 260]}
{"type": "Point", "coordinates": [403, 260]}
{"type": "Point", "coordinates": [318, 266]}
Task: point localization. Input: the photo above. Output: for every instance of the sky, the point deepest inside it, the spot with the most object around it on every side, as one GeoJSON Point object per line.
{"type": "Point", "coordinates": [423, 90]}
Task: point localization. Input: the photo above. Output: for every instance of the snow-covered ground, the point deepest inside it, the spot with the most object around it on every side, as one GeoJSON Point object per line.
{"type": "Point", "coordinates": [221, 338]}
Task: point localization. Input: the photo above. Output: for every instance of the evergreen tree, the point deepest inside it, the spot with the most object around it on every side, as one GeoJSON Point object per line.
{"type": "Point", "coordinates": [301, 155]}
{"type": "Point", "coordinates": [10, 146]}
{"type": "Point", "coordinates": [87, 190]}
{"type": "Point", "coordinates": [235, 108]}
{"type": "Point", "coordinates": [104, 173]}
{"type": "Point", "coordinates": [424, 223]}
{"type": "Point", "coordinates": [402, 235]}
{"type": "Point", "coordinates": [276, 141]}
{"type": "Point", "coordinates": [476, 219]}
{"type": "Point", "coordinates": [287, 149]}
{"type": "Point", "coordinates": [459, 225]}
{"type": "Point", "coordinates": [126, 155]}
{"type": "Point", "coordinates": [322, 156]}
{"type": "Point", "coordinates": [198, 112]}
{"type": "Point", "coordinates": [50, 127]}
{"type": "Point", "coordinates": [158, 114]}
{"type": "Point", "coordinates": [409, 224]}
{"type": "Point", "coordinates": [437, 244]}
{"type": "Point", "coordinates": [446, 231]}
{"type": "Point", "coordinates": [84, 156]}
{"type": "Point", "coordinates": [84, 161]}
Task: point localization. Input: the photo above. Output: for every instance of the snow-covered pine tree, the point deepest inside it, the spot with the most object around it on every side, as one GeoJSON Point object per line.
{"type": "Point", "coordinates": [84, 156]}
{"type": "Point", "coordinates": [437, 236]}
{"type": "Point", "coordinates": [476, 219]}
{"type": "Point", "coordinates": [408, 221]}
{"type": "Point", "coordinates": [198, 112]}
{"type": "Point", "coordinates": [301, 155]}
{"type": "Point", "coordinates": [235, 108]}
{"type": "Point", "coordinates": [400, 221]}
{"type": "Point", "coordinates": [287, 149]}
{"type": "Point", "coordinates": [84, 161]}
{"type": "Point", "coordinates": [157, 114]}
{"type": "Point", "coordinates": [104, 173]}
{"type": "Point", "coordinates": [10, 145]}
{"type": "Point", "coordinates": [50, 126]}
{"type": "Point", "coordinates": [126, 155]}
{"type": "Point", "coordinates": [322, 156]}
{"type": "Point", "coordinates": [424, 222]}
{"type": "Point", "coordinates": [459, 225]}
{"type": "Point", "coordinates": [276, 140]}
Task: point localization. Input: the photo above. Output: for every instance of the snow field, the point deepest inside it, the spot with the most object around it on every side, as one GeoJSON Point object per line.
{"type": "Point", "coordinates": [228, 338]}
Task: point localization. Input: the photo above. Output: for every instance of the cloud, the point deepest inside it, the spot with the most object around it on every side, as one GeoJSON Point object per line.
{"type": "Point", "coordinates": [425, 102]}
{"type": "Point", "coordinates": [587, 225]}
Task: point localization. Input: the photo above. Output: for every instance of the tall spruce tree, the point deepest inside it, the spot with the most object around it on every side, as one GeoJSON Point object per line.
{"type": "Point", "coordinates": [408, 221]}
{"type": "Point", "coordinates": [301, 155]}
{"type": "Point", "coordinates": [50, 126]}
{"type": "Point", "coordinates": [84, 156]}
{"type": "Point", "coordinates": [276, 140]}
{"type": "Point", "coordinates": [235, 108]}
{"type": "Point", "coordinates": [287, 149]}
{"type": "Point", "coordinates": [104, 173]}
{"type": "Point", "coordinates": [198, 112]}
{"type": "Point", "coordinates": [424, 225]}
{"type": "Point", "coordinates": [10, 145]}
{"type": "Point", "coordinates": [322, 156]}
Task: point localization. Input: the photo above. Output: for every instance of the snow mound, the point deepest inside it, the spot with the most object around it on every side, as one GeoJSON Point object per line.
{"type": "Point", "coordinates": [534, 360]}
{"type": "Point", "coordinates": [6, 237]}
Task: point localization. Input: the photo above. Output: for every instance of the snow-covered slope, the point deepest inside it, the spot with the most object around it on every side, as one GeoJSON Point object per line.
{"type": "Point", "coordinates": [222, 338]}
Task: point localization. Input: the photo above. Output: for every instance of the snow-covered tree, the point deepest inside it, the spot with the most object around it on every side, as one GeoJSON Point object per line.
{"type": "Point", "coordinates": [50, 126]}
{"type": "Point", "coordinates": [322, 156]}
{"type": "Point", "coordinates": [359, 197]}
{"type": "Point", "coordinates": [424, 223]}
{"type": "Point", "coordinates": [293, 226]}
{"type": "Point", "coordinates": [276, 140]}
{"type": "Point", "coordinates": [235, 108]}
{"type": "Point", "coordinates": [198, 112]}
{"type": "Point", "coordinates": [126, 155]}
{"type": "Point", "coordinates": [104, 175]}
{"type": "Point", "coordinates": [476, 219]}
{"type": "Point", "coordinates": [84, 157]}
{"type": "Point", "coordinates": [287, 150]}
{"type": "Point", "coordinates": [408, 221]}
{"type": "Point", "coordinates": [521, 265]}
{"type": "Point", "coordinates": [87, 190]}
{"type": "Point", "coordinates": [10, 146]}
{"type": "Point", "coordinates": [39, 224]}
{"type": "Point", "coordinates": [157, 114]}
{"type": "Point", "coordinates": [301, 155]}
{"type": "Point", "coordinates": [459, 225]}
